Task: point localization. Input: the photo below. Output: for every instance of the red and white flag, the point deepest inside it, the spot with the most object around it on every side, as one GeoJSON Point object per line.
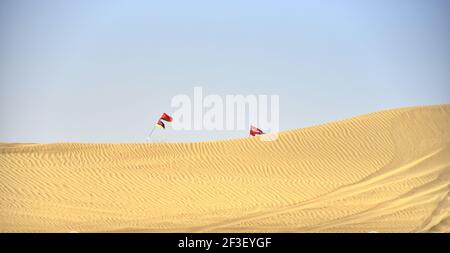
{"type": "Point", "coordinates": [166, 117]}
{"type": "Point", "coordinates": [160, 123]}
{"type": "Point", "coordinates": [255, 131]}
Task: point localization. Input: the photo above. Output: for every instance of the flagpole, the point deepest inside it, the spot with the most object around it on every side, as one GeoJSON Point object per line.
{"type": "Point", "coordinates": [151, 132]}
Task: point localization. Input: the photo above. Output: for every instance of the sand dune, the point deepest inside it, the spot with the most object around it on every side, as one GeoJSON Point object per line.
{"type": "Point", "coordinates": [387, 171]}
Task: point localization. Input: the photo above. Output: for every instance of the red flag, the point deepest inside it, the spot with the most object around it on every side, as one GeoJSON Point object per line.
{"type": "Point", "coordinates": [166, 117]}
{"type": "Point", "coordinates": [254, 131]}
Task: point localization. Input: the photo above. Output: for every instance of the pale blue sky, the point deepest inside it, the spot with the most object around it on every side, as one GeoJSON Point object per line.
{"type": "Point", "coordinates": [103, 71]}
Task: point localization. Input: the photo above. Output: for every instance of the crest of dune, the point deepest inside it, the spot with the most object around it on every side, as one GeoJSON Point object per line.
{"type": "Point", "coordinates": [387, 171]}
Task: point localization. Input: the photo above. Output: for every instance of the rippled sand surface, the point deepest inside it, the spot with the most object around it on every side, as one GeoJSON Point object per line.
{"type": "Point", "coordinates": [387, 171]}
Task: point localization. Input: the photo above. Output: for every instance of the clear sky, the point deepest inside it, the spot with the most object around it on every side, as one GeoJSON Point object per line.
{"type": "Point", "coordinates": [103, 71]}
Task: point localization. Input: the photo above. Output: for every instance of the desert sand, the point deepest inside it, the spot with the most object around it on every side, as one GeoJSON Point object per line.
{"type": "Point", "coordinates": [387, 171]}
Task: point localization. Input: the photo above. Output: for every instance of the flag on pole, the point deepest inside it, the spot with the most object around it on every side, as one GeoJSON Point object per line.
{"type": "Point", "coordinates": [164, 117]}
{"type": "Point", "coordinates": [255, 131]}
{"type": "Point", "coordinates": [160, 123]}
